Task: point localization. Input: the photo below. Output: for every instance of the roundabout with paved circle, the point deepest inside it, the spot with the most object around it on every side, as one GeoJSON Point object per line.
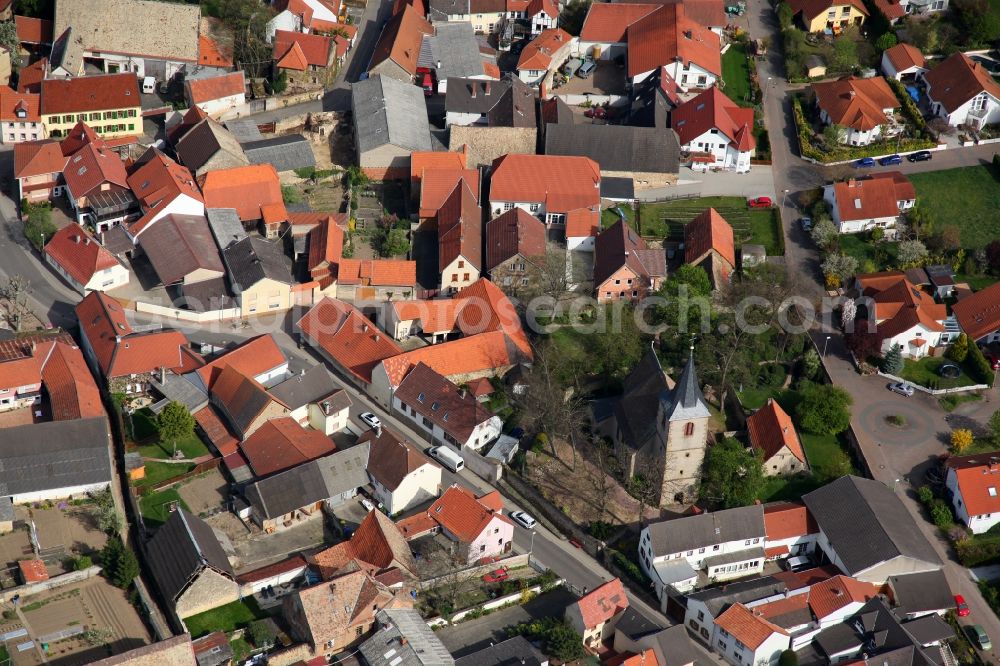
{"type": "Point", "coordinates": [918, 426]}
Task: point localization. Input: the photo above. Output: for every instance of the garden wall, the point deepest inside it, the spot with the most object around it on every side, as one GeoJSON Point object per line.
{"type": "Point", "coordinates": [29, 589]}
{"type": "Point", "coordinates": [924, 389]}
{"type": "Point", "coordinates": [489, 605]}
{"type": "Point", "coordinates": [188, 315]}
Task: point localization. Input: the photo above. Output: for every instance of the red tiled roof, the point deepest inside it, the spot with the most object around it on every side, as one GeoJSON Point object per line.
{"type": "Point", "coordinates": [661, 37]}
{"type": "Point", "coordinates": [515, 232]}
{"type": "Point", "coordinates": [468, 355]}
{"type": "Point", "coordinates": [460, 512]}
{"type": "Point", "coordinates": [314, 50]}
{"type": "Point", "coordinates": [609, 22]}
{"type": "Point", "coordinates": [90, 93]}
{"type": "Point", "coordinates": [958, 79]}
{"type": "Point", "coordinates": [73, 394]}
{"type": "Point", "coordinates": [562, 183]}
{"type": "Point", "coordinates": [437, 184]}
{"type": "Point", "coordinates": [979, 314]}
{"type": "Point", "coordinates": [298, 7]}
{"type": "Point", "coordinates": [347, 337]}
{"type": "Point", "coordinates": [35, 158]}
{"type": "Point", "coordinates": [326, 245]}
{"type": "Point", "coordinates": [602, 604]}
{"type": "Point", "coordinates": [377, 545]}
{"type": "Point", "coordinates": [460, 229]}
{"type": "Point", "coordinates": [246, 188]}
{"type": "Point", "coordinates": [281, 444]}
{"type": "Point", "coordinates": [856, 103]}
{"type": "Point", "coordinates": [120, 351]}
{"type": "Point", "coordinates": [401, 39]}
{"type": "Point", "coordinates": [891, 9]}
{"type": "Point", "coordinates": [838, 592]}
{"type": "Point", "coordinates": [79, 253]}
{"type": "Point", "coordinates": [771, 430]}
{"type": "Point", "coordinates": [776, 551]}
{"type": "Point", "coordinates": [617, 247]}
{"type": "Point", "coordinates": [211, 52]}
{"type": "Point", "coordinates": [978, 478]}
{"type": "Point", "coordinates": [271, 570]}
{"type": "Point", "coordinates": [436, 159]}
{"type": "Point", "coordinates": [157, 182]}
{"type": "Point", "coordinates": [899, 305]}
{"type": "Point", "coordinates": [33, 30]}
{"type": "Point", "coordinates": [18, 107]}
{"type": "Point", "coordinates": [92, 167]}
{"type": "Point", "coordinates": [33, 571]}
{"type": "Point", "coordinates": [77, 138]}
{"type": "Point", "coordinates": [436, 316]}
{"type": "Point", "coordinates": [813, 8]}
{"type": "Point", "coordinates": [492, 70]}
{"type": "Point", "coordinates": [713, 110]}
{"type": "Point", "coordinates": [784, 520]}
{"type": "Point", "coordinates": [583, 223]}
{"type": "Point", "coordinates": [218, 432]}
{"type": "Point", "coordinates": [709, 231]}
{"type": "Point", "coordinates": [747, 627]}
{"type": "Point", "coordinates": [904, 56]}
{"type": "Point", "coordinates": [539, 52]}
{"type": "Point", "coordinates": [292, 58]}
{"type": "Point", "coordinates": [217, 87]}
{"type": "Point", "coordinates": [378, 272]}
{"type": "Point", "coordinates": [253, 358]}
{"type": "Point", "coordinates": [876, 196]}
{"type": "Point", "coordinates": [29, 79]}
{"type": "Point", "coordinates": [191, 117]}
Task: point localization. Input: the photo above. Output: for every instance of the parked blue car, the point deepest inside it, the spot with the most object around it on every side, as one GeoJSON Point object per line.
{"type": "Point", "coordinates": [865, 162]}
{"type": "Point", "coordinates": [889, 160]}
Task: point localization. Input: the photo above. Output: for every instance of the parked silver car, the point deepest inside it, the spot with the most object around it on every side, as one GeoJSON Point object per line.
{"type": "Point", "coordinates": [902, 388]}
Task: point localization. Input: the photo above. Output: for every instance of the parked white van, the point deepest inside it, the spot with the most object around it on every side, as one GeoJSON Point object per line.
{"type": "Point", "coordinates": [447, 457]}
{"type": "Point", "coordinates": [148, 85]}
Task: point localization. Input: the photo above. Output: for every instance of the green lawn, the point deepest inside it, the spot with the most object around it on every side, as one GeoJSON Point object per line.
{"type": "Point", "coordinates": [161, 471]}
{"type": "Point", "coordinates": [192, 447]}
{"type": "Point", "coordinates": [736, 74]}
{"type": "Point", "coordinates": [241, 650]}
{"type": "Point", "coordinates": [976, 282]}
{"type": "Point", "coordinates": [950, 402]}
{"type": "Point", "coordinates": [882, 255]}
{"type": "Point", "coordinates": [609, 217]}
{"type": "Point", "coordinates": [143, 424]}
{"type": "Point", "coordinates": [975, 191]}
{"type": "Point", "coordinates": [228, 618]}
{"type": "Point", "coordinates": [925, 373]}
{"type": "Point", "coordinates": [667, 219]}
{"type": "Point", "coordinates": [787, 488]}
{"type": "Point", "coordinates": [155, 507]}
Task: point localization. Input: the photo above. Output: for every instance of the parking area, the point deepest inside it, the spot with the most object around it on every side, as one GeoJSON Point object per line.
{"type": "Point", "coordinates": [607, 79]}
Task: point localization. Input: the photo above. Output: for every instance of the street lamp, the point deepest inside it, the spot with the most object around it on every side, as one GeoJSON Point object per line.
{"type": "Point", "coordinates": [784, 197]}
{"type": "Point", "coordinates": [531, 546]}
{"type": "Point", "coordinates": [825, 344]}
{"type": "Point", "coordinates": [763, 94]}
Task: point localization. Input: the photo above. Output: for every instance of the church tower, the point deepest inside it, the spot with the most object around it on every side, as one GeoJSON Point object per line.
{"type": "Point", "coordinates": [682, 423]}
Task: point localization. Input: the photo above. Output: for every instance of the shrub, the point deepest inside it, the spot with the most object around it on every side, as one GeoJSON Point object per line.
{"type": "Point", "coordinates": [601, 530]}
{"type": "Point", "coordinates": [941, 514]}
{"type": "Point", "coordinates": [925, 494]}
{"type": "Point", "coordinates": [961, 440]}
{"type": "Point", "coordinates": [980, 367]}
{"type": "Point", "coordinates": [824, 409]}
{"type": "Point", "coordinates": [261, 634]}
{"type": "Point", "coordinates": [959, 350]}
{"type": "Point", "coordinates": [82, 562]}
{"type": "Point", "coordinates": [893, 361]}
{"type": "Point", "coordinates": [557, 636]}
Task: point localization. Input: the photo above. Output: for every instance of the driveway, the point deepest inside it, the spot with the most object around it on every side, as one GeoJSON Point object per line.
{"type": "Point", "coordinates": [899, 457]}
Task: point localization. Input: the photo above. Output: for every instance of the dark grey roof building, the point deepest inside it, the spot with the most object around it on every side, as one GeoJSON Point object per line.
{"type": "Point", "coordinates": [893, 544]}
{"type": "Point", "coordinates": [617, 148]}
{"type": "Point", "coordinates": [708, 529]}
{"type": "Point", "coordinates": [244, 130]}
{"type": "Point", "coordinates": [253, 259]}
{"type": "Point", "coordinates": [54, 460]}
{"type": "Point", "coordinates": [287, 152]}
{"type": "Point", "coordinates": [717, 599]}
{"type": "Point", "coordinates": [509, 102]}
{"type": "Point", "coordinates": [919, 593]}
{"type": "Point", "coordinates": [189, 565]}
{"type": "Point", "coordinates": [312, 386]}
{"type": "Point", "coordinates": [208, 146]}
{"type": "Point", "coordinates": [390, 122]}
{"type": "Point", "coordinates": [516, 651]}
{"type": "Point", "coordinates": [225, 225]}
{"type": "Point", "coordinates": [404, 639]}
{"type": "Point", "coordinates": [181, 249]}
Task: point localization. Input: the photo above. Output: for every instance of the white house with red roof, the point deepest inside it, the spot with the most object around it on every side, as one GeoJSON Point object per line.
{"type": "Point", "coordinates": [877, 201]}
{"type": "Point", "coordinates": [773, 434]}
{"type": "Point", "coordinates": [83, 262]}
{"type": "Point", "coordinates": [715, 132]}
{"type": "Point", "coordinates": [595, 615]}
{"type": "Point", "coordinates": [476, 524]}
{"type": "Point", "coordinates": [789, 529]}
{"type": "Point", "coordinates": [743, 637]}
{"type": "Point", "coordinates": [961, 91]}
{"type": "Point", "coordinates": [978, 314]}
{"type": "Point", "coordinates": [163, 187]}
{"type": "Point", "coordinates": [543, 55]}
{"type": "Point", "coordinates": [216, 94]}
{"type": "Point", "coordinates": [974, 482]}
{"type": "Point", "coordinates": [547, 186]}
{"type": "Point", "coordinates": [904, 314]}
{"type": "Point", "coordinates": [38, 168]}
{"type": "Point", "coordinates": [903, 62]}
{"type": "Point", "coordinates": [303, 16]}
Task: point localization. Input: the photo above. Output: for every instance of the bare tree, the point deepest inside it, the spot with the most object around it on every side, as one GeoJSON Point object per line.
{"type": "Point", "coordinates": [600, 477]}
{"type": "Point", "coordinates": [15, 295]}
{"type": "Point", "coordinates": [645, 484]}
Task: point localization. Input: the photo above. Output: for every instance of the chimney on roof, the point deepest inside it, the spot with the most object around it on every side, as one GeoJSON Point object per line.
{"type": "Point", "coordinates": [378, 431]}
{"type": "Point", "coordinates": [163, 375]}
{"type": "Point", "coordinates": [439, 64]}
{"type": "Point", "coordinates": [487, 92]}
{"type": "Point", "coordinates": [474, 86]}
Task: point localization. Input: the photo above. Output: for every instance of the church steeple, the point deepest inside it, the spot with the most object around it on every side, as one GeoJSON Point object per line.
{"type": "Point", "coordinates": [688, 402]}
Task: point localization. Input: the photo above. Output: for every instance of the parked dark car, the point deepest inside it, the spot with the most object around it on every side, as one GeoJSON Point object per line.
{"type": "Point", "coordinates": [889, 160]}
{"type": "Point", "coordinates": [920, 156]}
{"type": "Point", "coordinates": [865, 162]}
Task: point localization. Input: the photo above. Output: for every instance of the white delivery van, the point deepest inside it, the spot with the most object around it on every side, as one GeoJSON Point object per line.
{"type": "Point", "coordinates": [447, 457]}
{"type": "Point", "coordinates": [148, 85]}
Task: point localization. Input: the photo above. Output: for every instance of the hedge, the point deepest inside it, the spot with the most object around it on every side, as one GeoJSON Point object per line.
{"type": "Point", "coordinates": [910, 109]}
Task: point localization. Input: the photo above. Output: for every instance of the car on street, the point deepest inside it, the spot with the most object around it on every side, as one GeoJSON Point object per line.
{"type": "Point", "coordinates": [920, 156]}
{"type": "Point", "coordinates": [523, 519]}
{"type": "Point", "coordinates": [368, 504]}
{"type": "Point", "coordinates": [598, 112]}
{"type": "Point", "coordinates": [961, 608]}
{"type": "Point", "coordinates": [370, 419]}
{"type": "Point", "coordinates": [760, 202]}
{"type": "Point", "coordinates": [890, 160]}
{"type": "Point", "coordinates": [497, 576]}
{"type": "Point", "coordinates": [807, 223]}
{"type": "Point", "coordinates": [902, 388]}
{"type": "Point", "coordinates": [865, 162]}
{"type": "Point", "coordinates": [979, 637]}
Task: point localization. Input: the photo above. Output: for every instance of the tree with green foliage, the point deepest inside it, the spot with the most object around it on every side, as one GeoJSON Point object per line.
{"type": "Point", "coordinates": [733, 474]}
{"type": "Point", "coordinates": [810, 363]}
{"type": "Point", "coordinates": [824, 231]}
{"type": "Point", "coordinates": [838, 268]}
{"type": "Point", "coordinates": [845, 53]}
{"type": "Point", "coordinates": [557, 636]}
{"type": "Point", "coordinates": [247, 22]}
{"type": "Point", "coordinates": [892, 363]}
{"type": "Point", "coordinates": [108, 519]}
{"type": "Point", "coordinates": [38, 225]}
{"type": "Point", "coordinates": [173, 423]}
{"type": "Point", "coordinates": [994, 427]}
{"type": "Point", "coordinates": [261, 634]}
{"type": "Point", "coordinates": [688, 290]}
{"type": "Point", "coordinates": [82, 563]}
{"type": "Point", "coordinates": [392, 242]}
{"type": "Point", "coordinates": [785, 15]}
{"type": "Point", "coordinates": [959, 349]}
{"type": "Point", "coordinates": [833, 135]}
{"type": "Point", "coordinates": [10, 42]}
{"type": "Point", "coordinates": [572, 16]}
{"type": "Point", "coordinates": [823, 409]}
{"type": "Point", "coordinates": [279, 82]}
{"type": "Point", "coordinates": [617, 345]}
{"type": "Point", "coordinates": [981, 368]}
{"type": "Point", "coordinates": [886, 41]}
{"type": "Point", "coordinates": [788, 658]}
{"type": "Point", "coordinates": [126, 568]}
{"type": "Point", "coordinates": [290, 195]}
{"type": "Point", "coordinates": [110, 555]}
{"type": "Point", "coordinates": [356, 177]}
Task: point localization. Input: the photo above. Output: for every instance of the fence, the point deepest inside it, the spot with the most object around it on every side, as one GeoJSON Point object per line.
{"type": "Point", "coordinates": [924, 389]}
{"type": "Point", "coordinates": [188, 315]}
{"type": "Point", "coordinates": [596, 100]}
{"type": "Point", "coordinates": [159, 623]}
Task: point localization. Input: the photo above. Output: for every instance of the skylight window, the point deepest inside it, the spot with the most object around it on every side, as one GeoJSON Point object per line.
{"type": "Point", "coordinates": [992, 491]}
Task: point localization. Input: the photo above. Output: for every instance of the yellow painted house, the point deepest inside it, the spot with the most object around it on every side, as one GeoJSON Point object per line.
{"type": "Point", "coordinates": [109, 104]}
{"type": "Point", "coordinates": [833, 15]}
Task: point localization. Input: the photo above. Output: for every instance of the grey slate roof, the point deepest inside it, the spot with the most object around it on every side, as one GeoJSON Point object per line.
{"type": "Point", "coordinates": [404, 639]}
{"type": "Point", "coordinates": [838, 638]}
{"type": "Point", "coordinates": [719, 598]}
{"type": "Point", "coordinates": [49, 456]}
{"type": "Point", "coordinates": [636, 410]}
{"type": "Point", "coordinates": [707, 529]}
{"type": "Point", "coordinates": [687, 401]}
{"type": "Point", "coordinates": [618, 188]}
{"type": "Point", "coordinates": [244, 130]}
{"type": "Point", "coordinates": [617, 147]}
{"type": "Point", "coordinates": [516, 651]}
{"type": "Point", "coordinates": [252, 259]}
{"type": "Point", "coordinates": [851, 506]}
{"type": "Point", "coordinates": [299, 390]}
{"type": "Point", "coordinates": [225, 225]}
{"type": "Point", "coordinates": [920, 592]}
{"type": "Point", "coordinates": [387, 111]}
{"type": "Point", "coordinates": [6, 510]}
{"type": "Point", "coordinates": [676, 647]}
{"type": "Point", "coordinates": [181, 549]}
{"type": "Point", "coordinates": [312, 482]}
{"type": "Point", "coordinates": [734, 556]}
{"type": "Point", "coordinates": [286, 153]}
{"type": "Point", "coordinates": [509, 102]}
{"type": "Point", "coordinates": [635, 625]}
{"type": "Point", "coordinates": [205, 296]}
{"type": "Point", "coordinates": [454, 49]}
{"type": "Point", "coordinates": [438, 10]}
{"type": "Point", "coordinates": [206, 140]}
{"type": "Point", "coordinates": [178, 389]}
{"type": "Point", "coordinates": [928, 629]}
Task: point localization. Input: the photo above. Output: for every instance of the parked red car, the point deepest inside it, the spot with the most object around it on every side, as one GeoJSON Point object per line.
{"type": "Point", "coordinates": [760, 202]}
{"type": "Point", "coordinates": [598, 112]}
{"type": "Point", "coordinates": [993, 360]}
{"type": "Point", "coordinates": [497, 576]}
{"type": "Point", "coordinates": [961, 608]}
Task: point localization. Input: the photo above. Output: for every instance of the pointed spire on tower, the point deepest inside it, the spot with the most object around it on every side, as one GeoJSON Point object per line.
{"type": "Point", "coordinates": [688, 400]}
